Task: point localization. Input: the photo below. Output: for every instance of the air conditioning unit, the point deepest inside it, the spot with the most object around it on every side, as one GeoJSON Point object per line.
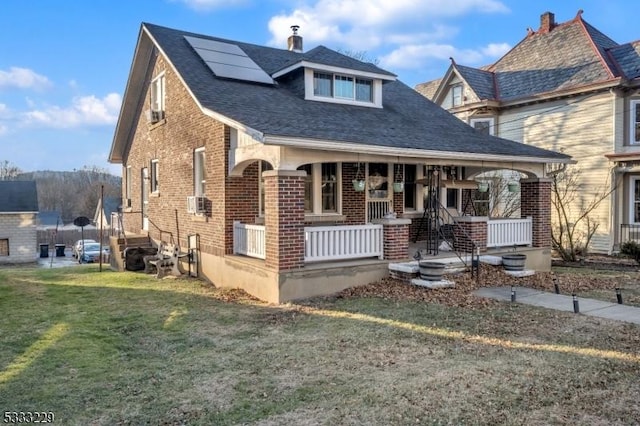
{"type": "Point", "coordinates": [196, 204]}
{"type": "Point", "coordinates": [154, 116]}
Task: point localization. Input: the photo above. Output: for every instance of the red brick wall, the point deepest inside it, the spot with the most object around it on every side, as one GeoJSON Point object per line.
{"type": "Point", "coordinates": [475, 232]}
{"type": "Point", "coordinates": [535, 201]}
{"type": "Point", "coordinates": [396, 242]}
{"type": "Point", "coordinates": [353, 203]}
{"type": "Point", "coordinates": [284, 219]}
{"type": "Point", "coordinates": [172, 142]}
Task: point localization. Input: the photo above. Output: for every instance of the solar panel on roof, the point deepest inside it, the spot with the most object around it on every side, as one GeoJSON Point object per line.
{"type": "Point", "coordinates": [228, 60]}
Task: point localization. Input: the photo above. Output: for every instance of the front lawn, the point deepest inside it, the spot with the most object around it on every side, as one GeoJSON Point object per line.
{"type": "Point", "coordinates": [111, 348]}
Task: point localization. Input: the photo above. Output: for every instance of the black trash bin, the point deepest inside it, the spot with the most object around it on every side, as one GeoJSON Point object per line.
{"type": "Point", "coordinates": [44, 250]}
{"type": "Point", "coordinates": [60, 250]}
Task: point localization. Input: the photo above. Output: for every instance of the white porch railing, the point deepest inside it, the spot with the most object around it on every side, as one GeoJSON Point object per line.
{"type": "Point", "coordinates": [249, 240]}
{"type": "Point", "coordinates": [509, 232]}
{"type": "Point", "coordinates": [323, 243]}
{"type": "Point", "coordinates": [376, 209]}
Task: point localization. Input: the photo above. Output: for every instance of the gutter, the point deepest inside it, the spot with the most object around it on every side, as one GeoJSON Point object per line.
{"type": "Point", "coordinates": [327, 145]}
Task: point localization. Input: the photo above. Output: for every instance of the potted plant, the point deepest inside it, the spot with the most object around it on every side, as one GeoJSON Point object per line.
{"type": "Point", "coordinates": [514, 261]}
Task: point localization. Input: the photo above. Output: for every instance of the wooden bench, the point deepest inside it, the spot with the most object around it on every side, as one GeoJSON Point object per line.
{"type": "Point", "coordinates": [166, 261]}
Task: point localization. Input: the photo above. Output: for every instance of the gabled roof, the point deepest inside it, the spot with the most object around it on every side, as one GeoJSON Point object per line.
{"type": "Point", "coordinates": [49, 219]}
{"type": "Point", "coordinates": [280, 112]}
{"type": "Point", "coordinates": [627, 57]}
{"type": "Point", "coordinates": [482, 82]}
{"type": "Point", "coordinates": [18, 196]}
{"type": "Point", "coordinates": [555, 60]}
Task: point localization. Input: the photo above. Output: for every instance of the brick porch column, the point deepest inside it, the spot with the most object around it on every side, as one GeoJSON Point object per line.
{"type": "Point", "coordinates": [284, 218]}
{"type": "Point", "coordinates": [535, 201]}
{"type": "Point", "coordinates": [396, 238]}
{"type": "Point", "coordinates": [468, 229]}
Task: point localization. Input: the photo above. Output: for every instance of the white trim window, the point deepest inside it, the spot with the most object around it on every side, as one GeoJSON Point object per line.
{"type": "Point", "coordinates": [128, 186]}
{"type": "Point", "coordinates": [343, 87]}
{"type": "Point", "coordinates": [154, 176]}
{"type": "Point", "coordinates": [485, 125]}
{"type": "Point", "coordinates": [634, 120]}
{"type": "Point", "coordinates": [262, 167]}
{"type": "Point", "coordinates": [456, 95]}
{"type": "Point", "coordinates": [634, 199]}
{"type": "Point", "coordinates": [199, 172]}
{"type": "Point", "coordinates": [322, 193]}
{"type": "Point", "coordinates": [158, 94]}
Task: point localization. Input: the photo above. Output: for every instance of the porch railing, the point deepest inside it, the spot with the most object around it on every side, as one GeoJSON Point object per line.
{"type": "Point", "coordinates": [629, 232]}
{"type": "Point", "coordinates": [324, 243]}
{"type": "Point", "coordinates": [509, 232]}
{"type": "Point", "coordinates": [377, 209]}
{"type": "Point", "coordinates": [249, 240]}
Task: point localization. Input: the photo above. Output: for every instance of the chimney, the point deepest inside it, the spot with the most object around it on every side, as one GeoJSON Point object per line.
{"type": "Point", "coordinates": [294, 42]}
{"type": "Point", "coordinates": [547, 22]}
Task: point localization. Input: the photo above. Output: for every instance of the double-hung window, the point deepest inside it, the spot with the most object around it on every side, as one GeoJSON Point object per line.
{"type": "Point", "coordinates": [634, 131]}
{"type": "Point", "coordinates": [321, 188]}
{"type": "Point", "coordinates": [128, 185]}
{"type": "Point", "coordinates": [157, 97]}
{"type": "Point", "coordinates": [483, 125]}
{"type": "Point", "coordinates": [199, 172]}
{"type": "Point", "coordinates": [456, 95]}
{"type": "Point", "coordinates": [154, 176]}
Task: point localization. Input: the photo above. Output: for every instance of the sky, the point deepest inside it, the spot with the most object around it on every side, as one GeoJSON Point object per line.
{"type": "Point", "coordinates": [64, 64]}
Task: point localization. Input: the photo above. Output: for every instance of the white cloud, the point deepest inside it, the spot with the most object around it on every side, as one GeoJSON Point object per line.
{"type": "Point", "coordinates": [417, 55]}
{"type": "Point", "coordinates": [23, 78]}
{"type": "Point", "coordinates": [3, 129]}
{"type": "Point", "coordinates": [84, 111]}
{"type": "Point", "coordinates": [361, 24]}
{"type": "Point", "coordinates": [208, 5]}
{"type": "Point", "coordinates": [496, 50]}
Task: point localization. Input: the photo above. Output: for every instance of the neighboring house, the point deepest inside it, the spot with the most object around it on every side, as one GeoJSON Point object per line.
{"type": "Point", "coordinates": [278, 166]}
{"type": "Point", "coordinates": [48, 220]}
{"type": "Point", "coordinates": [102, 216]}
{"type": "Point", "coordinates": [570, 88]}
{"type": "Point", "coordinates": [18, 219]}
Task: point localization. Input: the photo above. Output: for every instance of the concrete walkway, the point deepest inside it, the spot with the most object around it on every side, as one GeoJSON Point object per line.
{"type": "Point", "coordinates": [561, 302]}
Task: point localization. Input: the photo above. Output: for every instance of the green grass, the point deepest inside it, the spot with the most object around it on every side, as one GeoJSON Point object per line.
{"type": "Point", "coordinates": [111, 348]}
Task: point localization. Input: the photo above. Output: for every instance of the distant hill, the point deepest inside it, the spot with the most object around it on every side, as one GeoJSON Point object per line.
{"type": "Point", "coordinates": [74, 193]}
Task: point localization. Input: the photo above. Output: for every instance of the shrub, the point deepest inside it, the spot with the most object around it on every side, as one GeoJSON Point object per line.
{"type": "Point", "coordinates": [631, 249]}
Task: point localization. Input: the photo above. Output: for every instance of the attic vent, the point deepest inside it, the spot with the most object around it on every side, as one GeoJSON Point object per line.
{"type": "Point", "coordinates": [294, 42]}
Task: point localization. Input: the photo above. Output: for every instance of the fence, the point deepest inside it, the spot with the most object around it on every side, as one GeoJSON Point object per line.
{"type": "Point", "coordinates": [324, 243]}
{"type": "Point", "coordinates": [249, 240]}
{"type": "Point", "coordinates": [509, 232]}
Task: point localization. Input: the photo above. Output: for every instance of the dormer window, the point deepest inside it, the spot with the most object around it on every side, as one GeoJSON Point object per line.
{"type": "Point", "coordinates": [342, 87]}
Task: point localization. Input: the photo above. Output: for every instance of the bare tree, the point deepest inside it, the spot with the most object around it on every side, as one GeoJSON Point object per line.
{"type": "Point", "coordinates": [360, 55]}
{"type": "Point", "coordinates": [8, 171]}
{"type": "Point", "coordinates": [573, 225]}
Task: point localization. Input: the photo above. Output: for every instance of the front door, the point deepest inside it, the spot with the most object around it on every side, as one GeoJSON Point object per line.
{"type": "Point", "coordinates": [144, 177]}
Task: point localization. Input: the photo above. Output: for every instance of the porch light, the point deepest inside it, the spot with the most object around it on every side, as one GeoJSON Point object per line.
{"type": "Point", "coordinates": [483, 186]}
{"type": "Point", "coordinates": [358, 182]}
{"type": "Point", "coordinates": [398, 184]}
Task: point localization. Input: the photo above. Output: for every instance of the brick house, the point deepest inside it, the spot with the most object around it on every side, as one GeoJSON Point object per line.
{"type": "Point", "coordinates": [565, 86]}
{"type": "Point", "coordinates": [18, 221]}
{"type": "Point", "coordinates": [292, 173]}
